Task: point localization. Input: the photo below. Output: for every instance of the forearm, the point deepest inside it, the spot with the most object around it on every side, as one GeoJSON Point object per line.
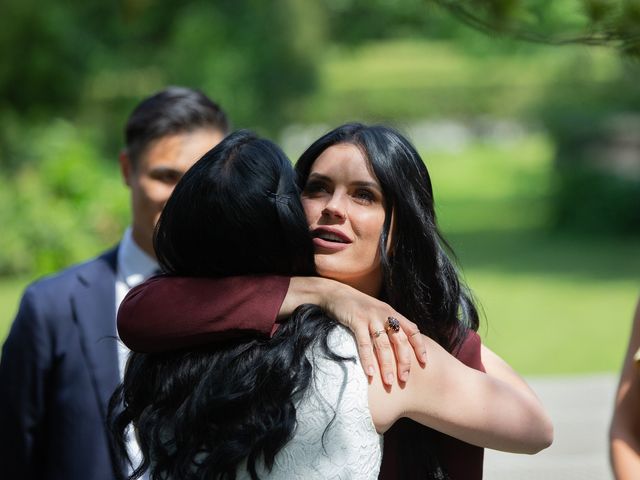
{"type": "Point", "coordinates": [624, 434]}
{"type": "Point", "coordinates": [624, 451]}
{"type": "Point", "coordinates": [469, 405]}
{"type": "Point", "coordinates": [166, 313]}
{"type": "Point", "coordinates": [511, 421]}
{"type": "Point", "coordinates": [314, 290]}
{"type": "Point", "coordinates": [533, 412]}
{"type": "Point", "coordinates": [497, 368]}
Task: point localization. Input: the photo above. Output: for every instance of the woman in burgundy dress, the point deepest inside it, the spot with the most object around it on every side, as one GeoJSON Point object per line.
{"type": "Point", "coordinates": [369, 203]}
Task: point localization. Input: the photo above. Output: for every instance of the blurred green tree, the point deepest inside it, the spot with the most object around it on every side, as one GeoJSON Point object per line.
{"type": "Point", "coordinates": [614, 23]}
{"type": "Point", "coordinates": [593, 123]}
{"type": "Point", "coordinates": [70, 73]}
{"type": "Point", "coordinates": [87, 63]}
{"type": "Point", "coordinates": [60, 59]}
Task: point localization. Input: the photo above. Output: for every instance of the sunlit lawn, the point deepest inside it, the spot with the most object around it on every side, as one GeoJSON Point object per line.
{"type": "Point", "coordinates": [556, 324]}
{"type": "Point", "coordinates": [406, 78]}
{"type": "Point", "coordinates": [553, 303]}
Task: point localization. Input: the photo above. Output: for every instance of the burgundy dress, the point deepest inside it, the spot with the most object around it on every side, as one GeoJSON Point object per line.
{"type": "Point", "coordinates": [166, 313]}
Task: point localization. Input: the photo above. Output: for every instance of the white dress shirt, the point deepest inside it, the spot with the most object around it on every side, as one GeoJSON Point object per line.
{"type": "Point", "coordinates": [134, 267]}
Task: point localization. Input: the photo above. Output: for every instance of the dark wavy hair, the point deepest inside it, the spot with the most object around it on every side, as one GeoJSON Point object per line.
{"type": "Point", "coordinates": [201, 413]}
{"type": "Point", "coordinates": [236, 211]}
{"type": "Point", "coordinates": [419, 278]}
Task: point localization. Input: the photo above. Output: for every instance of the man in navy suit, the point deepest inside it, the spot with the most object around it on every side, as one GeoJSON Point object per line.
{"type": "Point", "coordinates": [61, 360]}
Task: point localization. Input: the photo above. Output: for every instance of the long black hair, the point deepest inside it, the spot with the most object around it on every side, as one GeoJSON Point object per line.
{"type": "Point", "coordinates": [201, 413]}
{"type": "Point", "coordinates": [419, 278]}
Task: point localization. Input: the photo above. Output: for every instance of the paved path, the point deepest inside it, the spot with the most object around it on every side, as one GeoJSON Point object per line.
{"type": "Point", "coordinates": [580, 408]}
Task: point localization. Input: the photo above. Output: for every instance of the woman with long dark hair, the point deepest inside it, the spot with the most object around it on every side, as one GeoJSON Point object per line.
{"type": "Point", "coordinates": [369, 204]}
{"type": "Point", "coordinates": [210, 412]}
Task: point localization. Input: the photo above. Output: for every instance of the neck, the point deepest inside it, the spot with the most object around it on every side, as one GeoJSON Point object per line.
{"type": "Point", "coordinates": [144, 242]}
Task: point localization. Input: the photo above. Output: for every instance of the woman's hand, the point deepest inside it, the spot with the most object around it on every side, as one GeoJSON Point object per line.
{"type": "Point", "coordinates": [367, 318]}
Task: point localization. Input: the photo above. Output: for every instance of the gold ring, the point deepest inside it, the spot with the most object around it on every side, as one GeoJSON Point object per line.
{"type": "Point", "coordinates": [393, 324]}
{"type": "Point", "coordinates": [377, 333]}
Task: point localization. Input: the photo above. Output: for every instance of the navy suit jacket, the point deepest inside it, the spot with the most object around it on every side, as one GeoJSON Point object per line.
{"type": "Point", "coordinates": [59, 367]}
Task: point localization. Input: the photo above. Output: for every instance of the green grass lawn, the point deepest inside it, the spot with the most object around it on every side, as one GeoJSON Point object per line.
{"type": "Point", "coordinates": [411, 78]}
{"type": "Point", "coordinates": [549, 324]}
{"type": "Point", "coordinates": [552, 303]}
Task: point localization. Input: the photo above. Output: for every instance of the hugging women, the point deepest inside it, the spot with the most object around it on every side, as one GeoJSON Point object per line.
{"type": "Point", "coordinates": [268, 384]}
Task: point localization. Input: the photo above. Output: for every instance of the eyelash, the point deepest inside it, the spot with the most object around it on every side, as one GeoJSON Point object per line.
{"type": "Point", "coordinates": [314, 187]}
{"type": "Point", "coordinates": [364, 196]}
{"type": "Point", "coordinates": [361, 195]}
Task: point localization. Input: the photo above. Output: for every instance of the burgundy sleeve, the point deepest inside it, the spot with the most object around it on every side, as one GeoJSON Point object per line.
{"type": "Point", "coordinates": [167, 313]}
{"type": "Point", "coordinates": [461, 460]}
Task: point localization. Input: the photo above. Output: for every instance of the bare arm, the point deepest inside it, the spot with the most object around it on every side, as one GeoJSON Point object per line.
{"type": "Point", "coordinates": [165, 313]}
{"type": "Point", "coordinates": [497, 368]}
{"type": "Point", "coordinates": [624, 434]}
{"type": "Point", "coordinates": [464, 403]}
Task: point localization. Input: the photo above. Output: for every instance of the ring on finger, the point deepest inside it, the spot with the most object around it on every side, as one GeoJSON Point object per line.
{"type": "Point", "coordinates": [392, 324]}
{"type": "Point", "coordinates": [377, 333]}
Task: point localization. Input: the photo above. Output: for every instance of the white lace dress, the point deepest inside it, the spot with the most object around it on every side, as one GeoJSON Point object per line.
{"type": "Point", "coordinates": [348, 448]}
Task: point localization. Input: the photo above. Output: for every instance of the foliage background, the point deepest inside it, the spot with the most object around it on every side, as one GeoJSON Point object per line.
{"type": "Point", "coordinates": [523, 140]}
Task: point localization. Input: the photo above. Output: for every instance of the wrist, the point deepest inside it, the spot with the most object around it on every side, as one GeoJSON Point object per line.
{"type": "Point", "coordinates": [303, 290]}
{"type": "Point", "coordinates": [316, 290]}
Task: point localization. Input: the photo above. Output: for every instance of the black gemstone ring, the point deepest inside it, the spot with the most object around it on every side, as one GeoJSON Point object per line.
{"type": "Point", "coordinates": [392, 324]}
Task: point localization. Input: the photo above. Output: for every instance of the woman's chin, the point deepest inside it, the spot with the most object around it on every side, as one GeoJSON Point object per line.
{"type": "Point", "coordinates": [369, 284]}
{"type": "Point", "coordinates": [333, 272]}
{"type": "Point", "coordinates": [330, 273]}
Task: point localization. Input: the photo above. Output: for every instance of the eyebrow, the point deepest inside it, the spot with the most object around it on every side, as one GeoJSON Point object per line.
{"type": "Point", "coordinates": [360, 183]}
